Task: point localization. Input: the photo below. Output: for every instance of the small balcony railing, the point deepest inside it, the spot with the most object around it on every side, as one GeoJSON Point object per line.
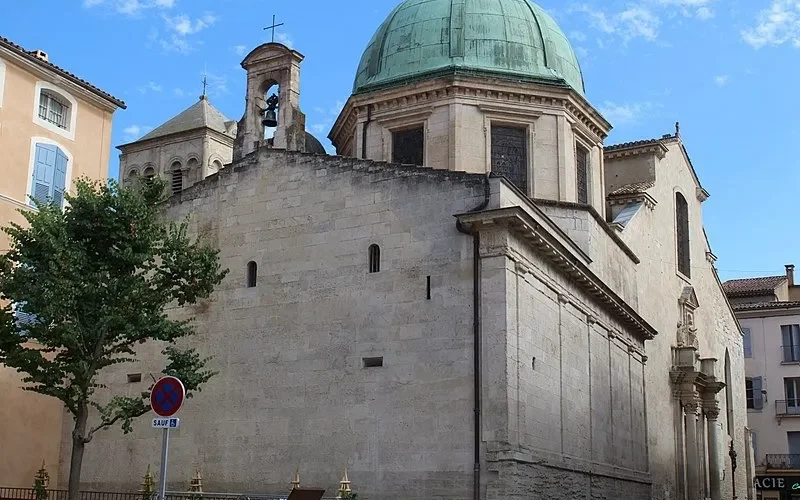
{"type": "Point", "coordinates": [787, 408]}
{"type": "Point", "coordinates": [783, 461]}
{"type": "Point", "coordinates": [790, 353]}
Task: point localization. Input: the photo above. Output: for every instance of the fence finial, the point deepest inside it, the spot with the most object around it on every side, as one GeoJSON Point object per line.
{"type": "Point", "coordinates": [344, 486]}
{"type": "Point", "coordinates": [40, 483]}
{"type": "Point", "coordinates": [148, 488]}
{"type": "Point", "coordinates": [196, 484]}
{"type": "Point", "coordinates": [296, 480]}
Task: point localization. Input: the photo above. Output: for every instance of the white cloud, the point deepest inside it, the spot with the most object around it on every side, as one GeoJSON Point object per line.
{"type": "Point", "coordinates": [691, 8]}
{"type": "Point", "coordinates": [183, 25]}
{"type": "Point", "coordinates": [284, 39]}
{"type": "Point", "coordinates": [130, 7]}
{"type": "Point", "coordinates": [722, 80]}
{"type": "Point", "coordinates": [637, 21]}
{"type": "Point", "coordinates": [320, 127]}
{"type": "Point", "coordinates": [178, 92]}
{"type": "Point", "coordinates": [240, 50]}
{"type": "Point", "coordinates": [776, 25]}
{"type": "Point", "coordinates": [135, 132]}
{"type": "Point", "coordinates": [217, 84]}
{"type": "Point", "coordinates": [150, 87]}
{"type": "Point", "coordinates": [620, 114]}
{"type": "Point", "coordinates": [578, 36]}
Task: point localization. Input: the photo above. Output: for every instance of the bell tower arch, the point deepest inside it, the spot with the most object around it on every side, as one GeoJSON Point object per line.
{"type": "Point", "coordinates": [272, 70]}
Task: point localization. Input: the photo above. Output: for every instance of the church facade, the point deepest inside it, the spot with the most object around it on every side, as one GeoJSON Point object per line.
{"type": "Point", "coordinates": [475, 299]}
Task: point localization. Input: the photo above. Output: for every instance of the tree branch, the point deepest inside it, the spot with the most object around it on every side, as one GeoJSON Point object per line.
{"type": "Point", "coordinates": [108, 423]}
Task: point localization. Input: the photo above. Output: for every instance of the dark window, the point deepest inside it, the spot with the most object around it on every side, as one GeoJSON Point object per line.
{"type": "Point", "coordinates": [755, 399]}
{"type": "Point", "coordinates": [682, 232]}
{"type": "Point", "coordinates": [149, 173]}
{"type": "Point", "coordinates": [791, 387]}
{"type": "Point", "coordinates": [791, 343]}
{"type": "Point", "coordinates": [177, 178]}
{"type": "Point", "coordinates": [582, 179]}
{"type": "Point", "coordinates": [376, 362]}
{"type": "Point", "coordinates": [510, 154]}
{"type": "Point", "coordinates": [747, 343]}
{"type": "Point", "coordinates": [408, 146]}
{"type": "Point", "coordinates": [134, 377]}
{"type": "Point", "coordinates": [374, 259]}
{"type": "Point", "coordinates": [252, 274]}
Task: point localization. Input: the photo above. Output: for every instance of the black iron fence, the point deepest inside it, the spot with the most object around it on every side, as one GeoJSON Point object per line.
{"type": "Point", "coordinates": [30, 494]}
{"type": "Point", "coordinates": [783, 461]}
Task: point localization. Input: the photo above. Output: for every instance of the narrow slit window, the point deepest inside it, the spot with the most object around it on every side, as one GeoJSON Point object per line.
{"type": "Point", "coordinates": [682, 234]}
{"type": "Point", "coordinates": [252, 274]}
{"type": "Point", "coordinates": [582, 180]}
{"type": "Point", "coordinates": [375, 362]}
{"type": "Point", "coordinates": [374, 259]}
{"type": "Point", "coordinates": [429, 288]}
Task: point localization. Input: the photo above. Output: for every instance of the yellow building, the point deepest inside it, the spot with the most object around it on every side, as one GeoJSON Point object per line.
{"type": "Point", "coordinates": [54, 128]}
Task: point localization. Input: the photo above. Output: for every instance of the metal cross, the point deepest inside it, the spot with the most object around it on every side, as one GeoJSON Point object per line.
{"type": "Point", "coordinates": [273, 27]}
{"type": "Point", "coordinates": [205, 84]}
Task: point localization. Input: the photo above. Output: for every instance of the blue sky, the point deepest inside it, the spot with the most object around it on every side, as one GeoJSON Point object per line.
{"type": "Point", "coordinates": [726, 69]}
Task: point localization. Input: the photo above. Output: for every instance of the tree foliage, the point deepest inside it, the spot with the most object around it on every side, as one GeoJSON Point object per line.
{"type": "Point", "coordinates": [83, 286]}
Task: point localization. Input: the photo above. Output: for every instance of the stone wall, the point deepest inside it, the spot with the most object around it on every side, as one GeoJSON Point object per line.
{"type": "Point", "coordinates": [651, 234]}
{"type": "Point", "coordinates": [292, 389]}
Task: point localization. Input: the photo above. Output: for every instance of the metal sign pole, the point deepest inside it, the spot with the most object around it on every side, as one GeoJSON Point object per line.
{"type": "Point", "coordinates": [163, 477]}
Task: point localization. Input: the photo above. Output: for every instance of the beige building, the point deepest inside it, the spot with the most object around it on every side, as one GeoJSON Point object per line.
{"type": "Point", "coordinates": [54, 128]}
{"type": "Point", "coordinates": [477, 299]}
{"type": "Point", "coordinates": [768, 309]}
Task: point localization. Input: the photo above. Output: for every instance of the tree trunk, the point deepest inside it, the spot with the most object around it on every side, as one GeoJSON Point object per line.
{"type": "Point", "coordinates": [78, 444]}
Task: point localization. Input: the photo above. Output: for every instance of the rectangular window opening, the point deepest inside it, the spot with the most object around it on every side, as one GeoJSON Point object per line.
{"type": "Point", "coordinates": [429, 288]}
{"type": "Point", "coordinates": [582, 180]}
{"type": "Point", "coordinates": [134, 378]}
{"type": "Point", "coordinates": [791, 343]}
{"type": "Point", "coordinates": [374, 362]}
{"type": "Point", "coordinates": [510, 154]}
{"type": "Point", "coordinates": [408, 146]}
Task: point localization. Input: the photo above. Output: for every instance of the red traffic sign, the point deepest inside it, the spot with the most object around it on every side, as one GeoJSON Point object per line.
{"type": "Point", "coordinates": [167, 396]}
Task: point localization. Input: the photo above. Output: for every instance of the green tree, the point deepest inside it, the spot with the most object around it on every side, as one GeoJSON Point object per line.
{"type": "Point", "coordinates": [81, 287]}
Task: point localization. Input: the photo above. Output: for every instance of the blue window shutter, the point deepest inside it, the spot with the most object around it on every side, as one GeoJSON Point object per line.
{"type": "Point", "coordinates": [43, 171]}
{"type": "Point", "coordinates": [59, 177]}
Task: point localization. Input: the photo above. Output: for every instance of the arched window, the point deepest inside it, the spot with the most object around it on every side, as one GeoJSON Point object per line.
{"type": "Point", "coordinates": [133, 174]}
{"type": "Point", "coordinates": [216, 166]}
{"type": "Point", "coordinates": [374, 259]}
{"type": "Point", "coordinates": [682, 235]}
{"type": "Point", "coordinates": [252, 274]}
{"type": "Point", "coordinates": [149, 173]}
{"type": "Point", "coordinates": [177, 178]}
{"type": "Point", "coordinates": [55, 110]}
{"type": "Point", "coordinates": [49, 181]}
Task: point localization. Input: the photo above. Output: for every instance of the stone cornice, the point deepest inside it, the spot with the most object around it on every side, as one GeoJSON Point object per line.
{"type": "Point", "coordinates": [177, 137]}
{"type": "Point", "coordinates": [17, 203]}
{"type": "Point", "coordinates": [549, 247]}
{"type": "Point", "coordinates": [656, 148]}
{"type": "Point", "coordinates": [566, 100]}
{"type": "Point", "coordinates": [624, 199]}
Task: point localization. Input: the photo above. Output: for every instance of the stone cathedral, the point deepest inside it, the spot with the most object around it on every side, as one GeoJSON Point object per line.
{"type": "Point", "coordinates": [476, 298]}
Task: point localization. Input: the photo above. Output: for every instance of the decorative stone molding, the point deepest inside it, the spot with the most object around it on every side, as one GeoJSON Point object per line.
{"type": "Point", "coordinates": [656, 147]}
{"type": "Point", "coordinates": [549, 247]}
{"type": "Point", "coordinates": [687, 331]}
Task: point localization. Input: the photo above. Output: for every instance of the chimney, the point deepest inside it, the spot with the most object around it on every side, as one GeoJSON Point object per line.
{"type": "Point", "coordinates": [790, 274]}
{"type": "Point", "coordinates": [40, 54]}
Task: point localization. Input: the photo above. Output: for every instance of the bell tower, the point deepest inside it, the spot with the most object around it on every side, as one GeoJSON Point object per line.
{"type": "Point", "coordinates": [273, 99]}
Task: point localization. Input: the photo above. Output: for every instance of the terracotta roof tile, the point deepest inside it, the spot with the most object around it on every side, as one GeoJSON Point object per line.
{"type": "Point", "coordinates": [5, 42]}
{"type": "Point", "coordinates": [633, 188]}
{"type": "Point", "coordinates": [758, 306]}
{"type": "Point", "coordinates": [752, 286]}
{"type": "Point", "coordinates": [636, 144]}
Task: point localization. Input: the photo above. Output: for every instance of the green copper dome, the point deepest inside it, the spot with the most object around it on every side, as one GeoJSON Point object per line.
{"type": "Point", "coordinates": [427, 38]}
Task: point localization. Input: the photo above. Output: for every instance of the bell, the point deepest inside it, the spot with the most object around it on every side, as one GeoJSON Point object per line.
{"type": "Point", "coordinates": [270, 119]}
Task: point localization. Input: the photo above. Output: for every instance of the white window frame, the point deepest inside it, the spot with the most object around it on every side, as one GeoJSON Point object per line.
{"type": "Point", "coordinates": [2, 81]}
{"type": "Point", "coordinates": [32, 165]}
{"type": "Point", "coordinates": [69, 132]}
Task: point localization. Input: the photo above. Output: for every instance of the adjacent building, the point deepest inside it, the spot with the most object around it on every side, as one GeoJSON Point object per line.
{"type": "Point", "coordinates": [54, 128]}
{"type": "Point", "coordinates": [477, 299]}
{"type": "Point", "coordinates": [768, 309]}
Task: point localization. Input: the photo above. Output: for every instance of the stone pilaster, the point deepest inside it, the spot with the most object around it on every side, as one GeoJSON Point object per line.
{"type": "Point", "coordinates": [692, 459]}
